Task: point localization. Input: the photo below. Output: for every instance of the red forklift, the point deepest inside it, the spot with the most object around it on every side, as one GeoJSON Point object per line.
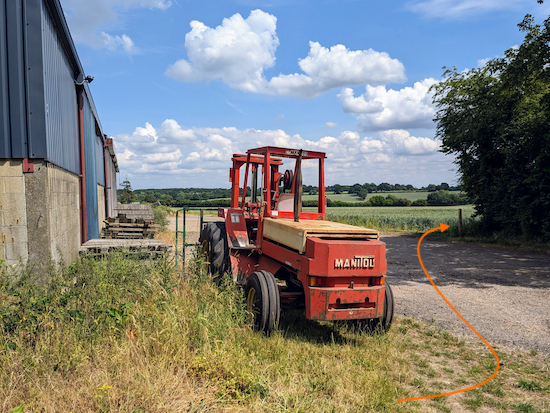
{"type": "Point", "coordinates": [286, 258]}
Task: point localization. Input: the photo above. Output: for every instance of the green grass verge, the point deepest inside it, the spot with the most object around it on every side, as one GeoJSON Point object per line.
{"type": "Point", "coordinates": [129, 335]}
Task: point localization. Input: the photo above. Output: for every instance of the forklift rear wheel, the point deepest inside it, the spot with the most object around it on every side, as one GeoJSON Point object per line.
{"type": "Point", "coordinates": [383, 323]}
{"type": "Point", "coordinates": [262, 300]}
{"type": "Point", "coordinates": [215, 249]}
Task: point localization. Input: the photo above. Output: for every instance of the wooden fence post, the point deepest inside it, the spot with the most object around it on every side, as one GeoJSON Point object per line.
{"type": "Point", "coordinates": [459, 222]}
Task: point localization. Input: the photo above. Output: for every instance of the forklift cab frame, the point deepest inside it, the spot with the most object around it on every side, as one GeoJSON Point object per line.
{"type": "Point", "coordinates": [268, 158]}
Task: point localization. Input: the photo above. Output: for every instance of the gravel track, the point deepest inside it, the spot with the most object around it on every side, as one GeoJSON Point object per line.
{"type": "Point", "coordinates": [504, 295]}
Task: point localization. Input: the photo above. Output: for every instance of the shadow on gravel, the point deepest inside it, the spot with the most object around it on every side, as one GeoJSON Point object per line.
{"type": "Point", "coordinates": [470, 266]}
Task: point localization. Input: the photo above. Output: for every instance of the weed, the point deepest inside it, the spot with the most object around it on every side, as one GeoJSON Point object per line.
{"type": "Point", "coordinates": [529, 385]}
{"type": "Point", "coordinates": [494, 387]}
{"type": "Point", "coordinates": [475, 402]}
{"type": "Point", "coordinates": [525, 408]}
{"type": "Point", "coordinates": [418, 382]}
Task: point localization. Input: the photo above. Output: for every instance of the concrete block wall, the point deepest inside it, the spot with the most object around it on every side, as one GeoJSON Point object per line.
{"type": "Point", "coordinates": [13, 213]}
{"type": "Point", "coordinates": [101, 207]}
{"type": "Point", "coordinates": [64, 213]}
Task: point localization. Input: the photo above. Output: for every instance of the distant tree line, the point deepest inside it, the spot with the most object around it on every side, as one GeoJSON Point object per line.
{"type": "Point", "coordinates": [194, 197]}
{"type": "Point", "coordinates": [438, 198]}
{"type": "Point", "coordinates": [362, 191]}
{"type": "Point", "coordinates": [172, 196]}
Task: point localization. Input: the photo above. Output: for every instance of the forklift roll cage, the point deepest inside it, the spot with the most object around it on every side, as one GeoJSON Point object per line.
{"type": "Point", "coordinates": [268, 158]}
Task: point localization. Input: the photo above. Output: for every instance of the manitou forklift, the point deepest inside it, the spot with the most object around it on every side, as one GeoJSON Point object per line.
{"type": "Point", "coordinates": [285, 258]}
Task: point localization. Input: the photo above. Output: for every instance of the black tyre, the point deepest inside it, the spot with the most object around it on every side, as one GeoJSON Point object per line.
{"type": "Point", "coordinates": [387, 317]}
{"type": "Point", "coordinates": [383, 323]}
{"type": "Point", "coordinates": [262, 300]}
{"type": "Point", "coordinates": [214, 248]}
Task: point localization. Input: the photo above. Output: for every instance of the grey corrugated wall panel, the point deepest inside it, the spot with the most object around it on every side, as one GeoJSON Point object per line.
{"type": "Point", "coordinates": [99, 161]}
{"type": "Point", "coordinates": [92, 217]}
{"type": "Point", "coordinates": [5, 138]}
{"type": "Point", "coordinates": [92, 106]}
{"type": "Point", "coordinates": [16, 77]}
{"type": "Point", "coordinates": [36, 123]}
{"type": "Point", "coordinates": [111, 186]}
{"type": "Point", "coordinates": [60, 99]}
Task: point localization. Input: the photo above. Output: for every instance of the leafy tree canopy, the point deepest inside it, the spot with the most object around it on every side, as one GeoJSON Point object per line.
{"type": "Point", "coordinates": [496, 119]}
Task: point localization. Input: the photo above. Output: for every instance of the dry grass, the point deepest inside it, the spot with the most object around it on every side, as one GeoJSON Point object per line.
{"type": "Point", "coordinates": [122, 335]}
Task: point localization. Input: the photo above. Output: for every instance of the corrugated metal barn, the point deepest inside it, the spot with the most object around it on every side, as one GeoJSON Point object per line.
{"type": "Point", "coordinates": [57, 167]}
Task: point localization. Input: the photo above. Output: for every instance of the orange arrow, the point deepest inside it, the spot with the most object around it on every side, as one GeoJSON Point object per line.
{"type": "Point", "coordinates": [444, 227]}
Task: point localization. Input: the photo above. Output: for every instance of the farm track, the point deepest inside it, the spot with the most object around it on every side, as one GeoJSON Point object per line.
{"type": "Point", "coordinates": [503, 294]}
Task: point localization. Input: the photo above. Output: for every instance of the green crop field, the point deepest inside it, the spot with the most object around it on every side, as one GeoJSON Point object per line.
{"type": "Point", "coordinates": [412, 195]}
{"type": "Point", "coordinates": [399, 218]}
{"type": "Point", "coordinates": [334, 197]}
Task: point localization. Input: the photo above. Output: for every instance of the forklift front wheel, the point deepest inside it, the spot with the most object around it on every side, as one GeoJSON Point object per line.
{"type": "Point", "coordinates": [262, 301]}
{"type": "Point", "coordinates": [214, 249]}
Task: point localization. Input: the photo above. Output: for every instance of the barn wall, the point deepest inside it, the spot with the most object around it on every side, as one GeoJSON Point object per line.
{"type": "Point", "coordinates": [90, 139]}
{"type": "Point", "coordinates": [64, 213]}
{"type": "Point", "coordinates": [100, 207]}
{"type": "Point", "coordinates": [60, 100]}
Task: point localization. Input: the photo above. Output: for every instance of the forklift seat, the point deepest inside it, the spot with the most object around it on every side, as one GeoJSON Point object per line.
{"type": "Point", "coordinates": [285, 203]}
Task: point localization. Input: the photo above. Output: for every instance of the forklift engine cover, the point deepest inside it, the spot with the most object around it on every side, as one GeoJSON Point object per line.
{"type": "Point", "coordinates": [346, 273]}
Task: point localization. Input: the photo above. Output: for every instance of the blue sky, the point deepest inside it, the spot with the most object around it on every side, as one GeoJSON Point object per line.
{"type": "Point", "coordinates": [181, 85]}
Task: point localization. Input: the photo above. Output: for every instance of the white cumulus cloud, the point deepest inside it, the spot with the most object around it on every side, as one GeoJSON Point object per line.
{"type": "Point", "coordinates": [237, 51]}
{"type": "Point", "coordinates": [402, 143]}
{"type": "Point", "coordinates": [113, 43]}
{"type": "Point", "coordinates": [326, 69]}
{"type": "Point", "coordinates": [379, 108]}
{"type": "Point", "coordinates": [172, 155]}
{"type": "Point", "coordinates": [240, 50]}
{"type": "Point", "coordinates": [90, 20]}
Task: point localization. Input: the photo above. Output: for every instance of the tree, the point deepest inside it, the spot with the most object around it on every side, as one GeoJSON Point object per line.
{"type": "Point", "coordinates": [337, 189]}
{"type": "Point", "coordinates": [495, 120]}
{"type": "Point", "coordinates": [384, 186]}
{"type": "Point", "coordinates": [151, 199]}
{"type": "Point", "coordinates": [127, 195]}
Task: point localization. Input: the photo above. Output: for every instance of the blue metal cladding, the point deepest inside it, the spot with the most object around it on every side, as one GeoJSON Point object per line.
{"type": "Point", "coordinates": [111, 186]}
{"type": "Point", "coordinates": [14, 130]}
{"type": "Point", "coordinates": [60, 99]}
{"type": "Point", "coordinates": [100, 161]}
{"type": "Point", "coordinates": [5, 138]}
{"type": "Point", "coordinates": [90, 136]}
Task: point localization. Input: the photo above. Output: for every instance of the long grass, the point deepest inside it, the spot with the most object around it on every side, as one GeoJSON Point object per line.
{"type": "Point", "coordinates": [132, 335]}
{"type": "Point", "coordinates": [125, 335]}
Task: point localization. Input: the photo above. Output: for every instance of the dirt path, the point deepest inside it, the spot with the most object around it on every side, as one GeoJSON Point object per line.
{"type": "Point", "coordinates": [192, 230]}
{"type": "Point", "coordinates": [504, 295]}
